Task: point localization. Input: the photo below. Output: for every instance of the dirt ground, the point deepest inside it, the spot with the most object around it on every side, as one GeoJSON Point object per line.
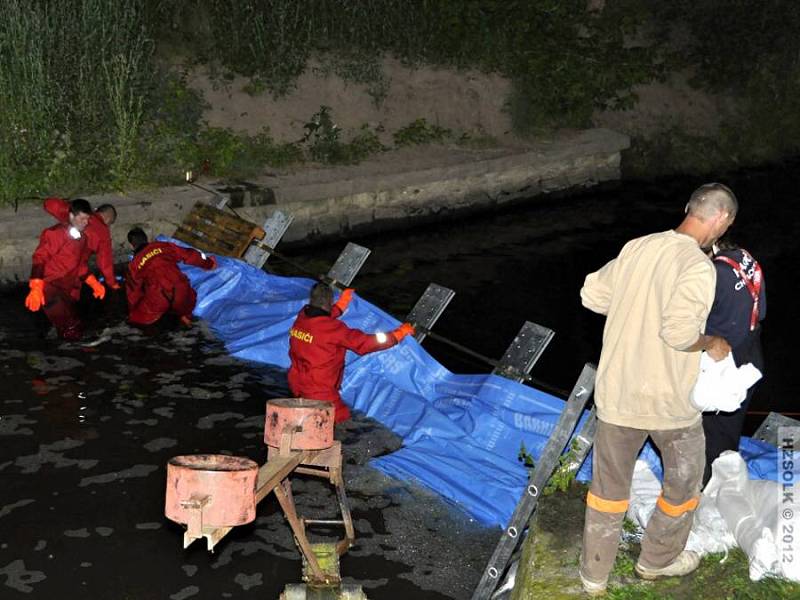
{"type": "Point", "coordinates": [463, 101]}
{"type": "Point", "coordinates": [458, 100]}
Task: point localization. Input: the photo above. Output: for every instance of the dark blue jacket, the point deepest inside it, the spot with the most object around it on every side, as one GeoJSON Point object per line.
{"type": "Point", "coordinates": [733, 304]}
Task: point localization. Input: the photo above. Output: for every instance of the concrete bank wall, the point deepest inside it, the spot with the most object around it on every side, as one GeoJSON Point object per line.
{"type": "Point", "coordinates": [329, 203]}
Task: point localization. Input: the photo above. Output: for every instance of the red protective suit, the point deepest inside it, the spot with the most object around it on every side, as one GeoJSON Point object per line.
{"type": "Point", "coordinates": [155, 284]}
{"type": "Point", "coordinates": [59, 261]}
{"type": "Point", "coordinates": [318, 342]}
{"type": "Point", "coordinates": [98, 238]}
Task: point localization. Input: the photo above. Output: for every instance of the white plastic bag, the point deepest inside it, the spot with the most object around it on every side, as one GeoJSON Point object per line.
{"type": "Point", "coordinates": [709, 532]}
{"type": "Point", "coordinates": [753, 511]}
{"type": "Point", "coordinates": [722, 386]}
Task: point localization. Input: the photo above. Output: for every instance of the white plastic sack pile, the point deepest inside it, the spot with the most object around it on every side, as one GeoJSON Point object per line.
{"type": "Point", "coordinates": [733, 511]}
{"type": "Point", "coordinates": [721, 386]}
{"type": "Point", "coordinates": [709, 532]}
{"type": "Point", "coordinates": [756, 513]}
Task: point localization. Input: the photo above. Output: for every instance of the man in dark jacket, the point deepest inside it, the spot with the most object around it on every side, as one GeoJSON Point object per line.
{"type": "Point", "coordinates": [97, 233]}
{"type": "Point", "coordinates": [740, 304]}
{"type": "Point", "coordinates": [319, 341]}
{"type": "Point", "coordinates": [155, 285]}
{"type": "Point", "coordinates": [59, 269]}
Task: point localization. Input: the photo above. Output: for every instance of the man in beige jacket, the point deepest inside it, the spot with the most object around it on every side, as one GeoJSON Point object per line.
{"type": "Point", "coordinates": [656, 296]}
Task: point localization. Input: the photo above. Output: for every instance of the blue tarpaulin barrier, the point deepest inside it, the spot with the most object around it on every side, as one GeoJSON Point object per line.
{"type": "Point", "coordinates": [461, 433]}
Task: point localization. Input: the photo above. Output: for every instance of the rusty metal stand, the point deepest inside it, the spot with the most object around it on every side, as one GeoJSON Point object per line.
{"type": "Point", "coordinates": [325, 464]}
{"type": "Point", "coordinates": [211, 494]}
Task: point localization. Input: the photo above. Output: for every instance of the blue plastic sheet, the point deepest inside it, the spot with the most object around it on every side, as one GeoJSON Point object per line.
{"type": "Point", "coordinates": [462, 433]}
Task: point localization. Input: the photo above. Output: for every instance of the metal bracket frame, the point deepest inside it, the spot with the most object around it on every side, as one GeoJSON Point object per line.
{"type": "Point", "coordinates": [347, 265]}
{"type": "Point", "coordinates": [524, 351]}
{"type": "Point", "coordinates": [769, 429]}
{"type": "Point", "coordinates": [429, 308]}
{"type": "Point", "coordinates": [274, 227]}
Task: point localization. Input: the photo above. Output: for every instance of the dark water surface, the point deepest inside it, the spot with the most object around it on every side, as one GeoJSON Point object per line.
{"type": "Point", "coordinates": [529, 263]}
{"type": "Point", "coordinates": [85, 433]}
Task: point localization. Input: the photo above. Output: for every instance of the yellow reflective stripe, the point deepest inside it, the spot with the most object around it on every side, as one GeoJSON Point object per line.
{"type": "Point", "coordinates": [606, 506]}
{"type": "Point", "coordinates": [676, 510]}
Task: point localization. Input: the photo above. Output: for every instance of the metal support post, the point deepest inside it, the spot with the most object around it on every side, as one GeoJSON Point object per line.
{"type": "Point", "coordinates": [542, 472]}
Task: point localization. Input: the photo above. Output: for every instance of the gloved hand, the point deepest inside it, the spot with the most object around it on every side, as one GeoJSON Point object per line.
{"type": "Point", "coordinates": [35, 299]}
{"type": "Point", "coordinates": [402, 331]}
{"type": "Point", "coordinates": [344, 299]}
{"type": "Point", "coordinates": [213, 263]}
{"type": "Point", "coordinates": [98, 289]}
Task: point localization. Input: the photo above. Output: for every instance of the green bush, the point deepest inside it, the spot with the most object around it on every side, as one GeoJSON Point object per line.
{"type": "Point", "coordinates": [324, 143]}
{"type": "Point", "coordinates": [420, 132]}
{"type": "Point", "coordinates": [754, 57]}
{"type": "Point", "coordinates": [73, 75]}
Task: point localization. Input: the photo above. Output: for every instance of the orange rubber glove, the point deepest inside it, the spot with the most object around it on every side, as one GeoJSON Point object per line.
{"type": "Point", "coordinates": [402, 331]}
{"type": "Point", "coordinates": [344, 299]}
{"type": "Point", "coordinates": [35, 298]}
{"type": "Point", "coordinates": [98, 289]}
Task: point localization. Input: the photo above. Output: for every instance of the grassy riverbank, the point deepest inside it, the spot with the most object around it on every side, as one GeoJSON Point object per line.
{"type": "Point", "coordinates": [549, 564]}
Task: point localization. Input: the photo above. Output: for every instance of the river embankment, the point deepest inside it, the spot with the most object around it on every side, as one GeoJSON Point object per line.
{"type": "Point", "coordinates": [393, 189]}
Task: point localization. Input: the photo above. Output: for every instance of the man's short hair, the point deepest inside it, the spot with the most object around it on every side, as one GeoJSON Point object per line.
{"type": "Point", "coordinates": [137, 237]}
{"type": "Point", "coordinates": [710, 199]}
{"type": "Point", "coordinates": [321, 296]}
{"type": "Point", "coordinates": [109, 209]}
{"type": "Point", "coordinates": [79, 205]}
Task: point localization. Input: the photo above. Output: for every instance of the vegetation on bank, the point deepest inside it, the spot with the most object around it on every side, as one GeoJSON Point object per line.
{"type": "Point", "coordinates": [85, 104]}
{"type": "Point", "coordinates": [551, 554]}
{"type": "Point", "coordinates": [750, 55]}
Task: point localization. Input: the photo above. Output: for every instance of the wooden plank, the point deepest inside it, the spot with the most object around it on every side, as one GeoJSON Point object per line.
{"type": "Point", "coordinates": [210, 229]}
{"type": "Point", "coordinates": [202, 242]}
{"type": "Point", "coordinates": [210, 236]}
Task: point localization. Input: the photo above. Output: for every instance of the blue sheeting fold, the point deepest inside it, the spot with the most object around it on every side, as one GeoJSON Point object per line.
{"type": "Point", "coordinates": [461, 433]}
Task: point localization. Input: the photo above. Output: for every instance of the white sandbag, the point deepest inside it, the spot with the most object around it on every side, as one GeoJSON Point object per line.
{"type": "Point", "coordinates": [722, 386]}
{"type": "Point", "coordinates": [753, 512]}
{"type": "Point", "coordinates": [709, 532]}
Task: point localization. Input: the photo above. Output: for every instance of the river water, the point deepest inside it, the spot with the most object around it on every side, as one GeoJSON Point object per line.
{"type": "Point", "coordinates": [85, 432]}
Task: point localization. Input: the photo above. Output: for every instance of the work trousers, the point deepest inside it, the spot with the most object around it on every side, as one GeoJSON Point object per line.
{"type": "Point", "coordinates": [178, 299]}
{"type": "Point", "coordinates": [62, 311]}
{"type": "Point", "coordinates": [615, 451]}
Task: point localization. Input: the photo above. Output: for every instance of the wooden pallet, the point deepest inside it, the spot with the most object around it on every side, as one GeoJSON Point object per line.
{"type": "Point", "coordinates": [210, 229]}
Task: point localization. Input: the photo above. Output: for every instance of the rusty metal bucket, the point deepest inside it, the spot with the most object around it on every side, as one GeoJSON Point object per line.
{"type": "Point", "coordinates": [310, 420]}
{"type": "Point", "coordinates": [222, 488]}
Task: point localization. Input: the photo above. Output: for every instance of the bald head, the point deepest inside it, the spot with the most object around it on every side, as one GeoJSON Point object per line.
{"type": "Point", "coordinates": [710, 211]}
{"type": "Point", "coordinates": [711, 200]}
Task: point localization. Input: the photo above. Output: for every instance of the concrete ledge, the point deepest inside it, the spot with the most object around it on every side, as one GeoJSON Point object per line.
{"type": "Point", "coordinates": [326, 203]}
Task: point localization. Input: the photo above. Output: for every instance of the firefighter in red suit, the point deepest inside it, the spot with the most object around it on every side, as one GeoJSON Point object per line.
{"type": "Point", "coordinates": [155, 285]}
{"type": "Point", "coordinates": [318, 342]}
{"type": "Point", "coordinates": [59, 268]}
{"type": "Point", "coordinates": [97, 233]}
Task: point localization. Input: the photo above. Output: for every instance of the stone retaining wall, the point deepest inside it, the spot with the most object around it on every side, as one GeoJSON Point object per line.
{"type": "Point", "coordinates": [329, 203]}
